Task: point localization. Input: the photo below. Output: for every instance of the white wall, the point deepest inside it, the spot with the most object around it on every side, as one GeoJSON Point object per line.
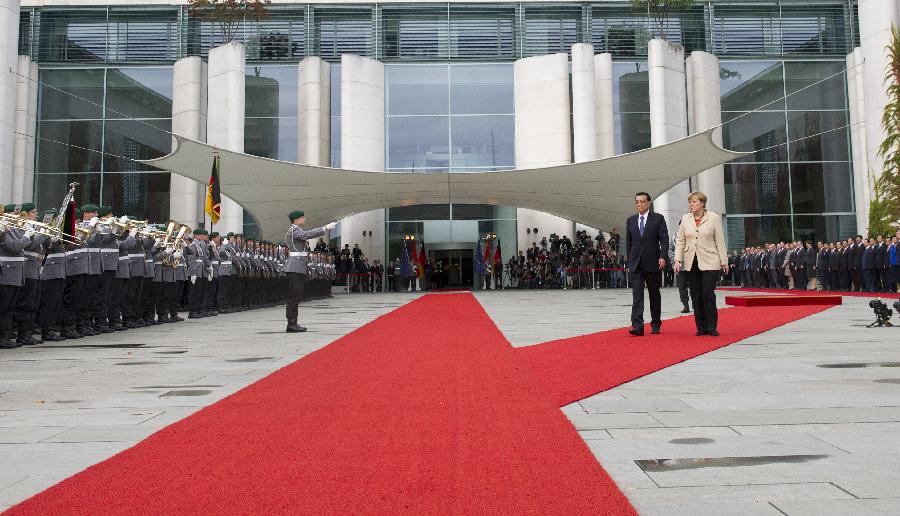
{"type": "Point", "coordinates": [9, 43]}
{"type": "Point", "coordinates": [24, 143]}
{"type": "Point", "coordinates": [186, 196]}
{"type": "Point", "coordinates": [705, 111]}
{"type": "Point", "coordinates": [314, 112]}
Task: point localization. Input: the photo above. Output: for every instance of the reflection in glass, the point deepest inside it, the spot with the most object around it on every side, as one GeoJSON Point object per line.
{"type": "Point", "coordinates": [756, 188]}
{"type": "Point", "coordinates": [632, 132]}
{"type": "Point", "coordinates": [830, 146]}
{"type": "Point", "coordinates": [141, 195]}
{"type": "Point", "coordinates": [51, 188]}
{"type": "Point", "coordinates": [274, 138]}
{"type": "Point", "coordinates": [828, 228]}
{"type": "Point", "coordinates": [86, 84]}
{"type": "Point", "coordinates": [482, 31]}
{"type": "Point", "coordinates": [828, 94]}
{"type": "Point", "coordinates": [72, 35]}
{"type": "Point", "coordinates": [73, 146]}
{"type": "Point", "coordinates": [417, 90]}
{"type": "Point", "coordinates": [483, 141]}
{"type": "Point", "coordinates": [631, 87]}
{"type": "Point", "coordinates": [139, 93]}
{"type": "Point", "coordinates": [822, 187]}
{"type": "Point", "coordinates": [271, 91]}
{"type": "Point", "coordinates": [418, 142]}
{"type": "Point", "coordinates": [762, 133]}
{"type": "Point", "coordinates": [753, 231]}
{"type": "Point", "coordinates": [751, 85]}
{"type": "Point", "coordinates": [133, 140]}
{"type": "Point", "coordinates": [481, 89]}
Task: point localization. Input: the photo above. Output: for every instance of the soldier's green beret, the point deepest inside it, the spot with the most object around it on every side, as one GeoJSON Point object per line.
{"type": "Point", "coordinates": [50, 213]}
{"type": "Point", "coordinates": [294, 215]}
{"type": "Point", "coordinates": [230, 234]}
{"type": "Point", "coordinates": [88, 208]}
{"type": "Point", "coordinates": [103, 211]}
{"type": "Point", "coordinates": [200, 231]}
{"type": "Point", "coordinates": [214, 234]}
{"type": "Point", "coordinates": [28, 206]}
{"type": "Point", "coordinates": [9, 208]}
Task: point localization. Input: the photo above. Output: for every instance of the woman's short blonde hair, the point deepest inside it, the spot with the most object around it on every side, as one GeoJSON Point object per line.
{"type": "Point", "coordinates": [700, 196]}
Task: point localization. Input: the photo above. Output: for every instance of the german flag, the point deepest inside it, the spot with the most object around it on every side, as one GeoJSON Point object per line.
{"type": "Point", "coordinates": [213, 195]}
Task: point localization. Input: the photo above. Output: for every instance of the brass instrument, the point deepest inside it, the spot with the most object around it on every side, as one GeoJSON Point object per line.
{"type": "Point", "coordinates": [61, 214]}
{"type": "Point", "coordinates": [150, 231]}
{"type": "Point", "coordinates": [179, 245]}
{"type": "Point", "coordinates": [40, 228]}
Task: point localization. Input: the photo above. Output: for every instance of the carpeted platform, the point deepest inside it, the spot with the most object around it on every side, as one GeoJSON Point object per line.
{"type": "Point", "coordinates": [885, 295]}
{"type": "Point", "coordinates": [783, 300]}
{"type": "Point", "coordinates": [426, 410]}
{"type": "Point", "coordinates": [578, 367]}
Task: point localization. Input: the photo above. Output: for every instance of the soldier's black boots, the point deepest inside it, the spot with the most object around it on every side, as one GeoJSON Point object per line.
{"type": "Point", "coordinates": [686, 309]}
{"type": "Point", "coordinates": [5, 343]}
{"type": "Point", "coordinates": [293, 327]}
{"type": "Point", "coordinates": [49, 336]}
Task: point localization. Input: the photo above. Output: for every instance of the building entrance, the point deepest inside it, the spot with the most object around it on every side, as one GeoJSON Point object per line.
{"type": "Point", "coordinates": [452, 267]}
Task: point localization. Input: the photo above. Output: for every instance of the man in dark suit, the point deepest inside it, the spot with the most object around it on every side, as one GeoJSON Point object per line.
{"type": "Point", "coordinates": [647, 241]}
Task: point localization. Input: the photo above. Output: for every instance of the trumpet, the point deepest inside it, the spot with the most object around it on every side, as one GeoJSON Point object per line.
{"type": "Point", "coordinates": [149, 231]}
{"type": "Point", "coordinates": [39, 228]}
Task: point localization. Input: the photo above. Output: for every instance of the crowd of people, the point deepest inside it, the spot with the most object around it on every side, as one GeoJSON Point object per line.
{"type": "Point", "coordinates": [857, 264]}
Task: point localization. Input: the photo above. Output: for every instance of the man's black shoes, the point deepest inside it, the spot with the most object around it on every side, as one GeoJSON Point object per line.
{"type": "Point", "coordinates": [295, 328]}
{"type": "Point", "coordinates": [713, 333]}
{"type": "Point", "coordinates": [686, 310]}
{"type": "Point", "coordinates": [637, 332]}
{"type": "Point", "coordinates": [654, 330]}
{"type": "Point", "coordinates": [700, 333]}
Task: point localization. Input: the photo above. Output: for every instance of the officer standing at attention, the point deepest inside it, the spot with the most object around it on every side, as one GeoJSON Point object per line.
{"type": "Point", "coordinates": [296, 264]}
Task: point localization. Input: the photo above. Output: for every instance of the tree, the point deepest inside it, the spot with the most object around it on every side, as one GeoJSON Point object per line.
{"type": "Point", "coordinates": [228, 13]}
{"type": "Point", "coordinates": [659, 11]}
{"type": "Point", "coordinates": [884, 210]}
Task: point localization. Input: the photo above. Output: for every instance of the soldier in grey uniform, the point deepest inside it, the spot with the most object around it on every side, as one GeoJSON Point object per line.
{"type": "Point", "coordinates": [75, 306]}
{"type": "Point", "coordinates": [227, 257]}
{"type": "Point", "coordinates": [52, 284]}
{"type": "Point", "coordinates": [135, 285]}
{"type": "Point", "coordinates": [199, 271]}
{"type": "Point", "coordinates": [28, 298]}
{"type": "Point", "coordinates": [93, 283]}
{"type": "Point", "coordinates": [109, 263]}
{"type": "Point", "coordinates": [296, 265]}
{"type": "Point", "coordinates": [210, 299]}
{"type": "Point", "coordinates": [118, 311]}
{"type": "Point", "coordinates": [149, 289]}
{"type": "Point", "coordinates": [12, 277]}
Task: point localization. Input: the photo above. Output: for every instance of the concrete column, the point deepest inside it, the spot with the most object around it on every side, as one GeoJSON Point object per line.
{"type": "Point", "coordinates": [668, 118]}
{"type": "Point", "coordinates": [705, 111]}
{"type": "Point", "coordinates": [314, 112]}
{"type": "Point", "coordinates": [362, 143]}
{"type": "Point", "coordinates": [186, 196]}
{"type": "Point", "coordinates": [225, 118]}
{"type": "Point", "coordinates": [26, 124]}
{"type": "Point", "coordinates": [875, 19]}
{"type": "Point", "coordinates": [585, 117]}
{"type": "Point", "coordinates": [543, 132]}
{"type": "Point", "coordinates": [863, 186]}
{"type": "Point", "coordinates": [9, 51]}
{"type": "Point", "coordinates": [606, 131]}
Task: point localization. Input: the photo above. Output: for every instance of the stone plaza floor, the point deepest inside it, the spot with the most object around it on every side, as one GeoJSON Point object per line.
{"type": "Point", "coordinates": [800, 420]}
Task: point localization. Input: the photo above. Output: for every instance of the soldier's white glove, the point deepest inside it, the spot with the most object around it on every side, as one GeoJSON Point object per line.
{"type": "Point", "coordinates": [3, 226]}
{"type": "Point", "coordinates": [158, 242]}
{"type": "Point", "coordinates": [29, 233]}
{"type": "Point", "coordinates": [193, 279]}
{"type": "Point", "coordinates": [93, 222]}
{"type": "Point", "coordinates": [123, 219]}
{"type": "Point", "coordinates": [209, 273]}
{"type": "Point", "coordinates": [330, 225]}
{"type": "Point", "coordinates": [178, 254]}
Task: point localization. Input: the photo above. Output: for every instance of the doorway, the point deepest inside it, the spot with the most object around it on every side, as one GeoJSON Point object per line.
{"type": "Point", "coordinates": [452, 268]}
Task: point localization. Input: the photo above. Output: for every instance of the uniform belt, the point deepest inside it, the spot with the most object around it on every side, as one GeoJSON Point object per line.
{"type": "Point", "coordinates": [76, 251]}
{"type": "Point", "coordinates": [215, 262]}
{"type": "Point", "coordinates": [109, 250]}
{"type": "Point", "coordinates": [56, 255]}
{"type": "Point", "coordinates": [304, 253]}
{"type": "Point", "coordinates": [198, 261]}
{"type": "Point", "coordinates": [149, 261]}
{"type": "Point", "coordinates": [32, 254]}
{"type": "Point", "coordinates": [12, 258]}
{"type": "Point", "coordinates": [136, 255]}
{"type": "Point", "coordinates": [123, 258]}
{"type": "Point", "coordinates": [225, 263]}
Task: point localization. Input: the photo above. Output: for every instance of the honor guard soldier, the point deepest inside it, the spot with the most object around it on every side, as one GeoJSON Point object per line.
{"type": "Point", "coordinates": [200, 272]}
{"type": "Point", "coordinates": [53, 284]}
{"type": "Point", "coordinates": [296, 265]}
{"type": "Point", "coordinates": [28, 298]}
{"type": "Point", "coordinates": [109, 258]}
{"type": "Point", "coordinates": [13, 242]}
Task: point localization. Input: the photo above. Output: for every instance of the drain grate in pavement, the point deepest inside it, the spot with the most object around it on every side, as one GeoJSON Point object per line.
{"type": "Point", "coordinates": [250, 359]}
{"type": "Point", "coordinates": [661, 465]}
{"type": "Point", "coordinates": [189, 392]}
{"type": "Point", "coordinates": [173, 386]}
{"type": "Point", "coordinates": [92, 346]}
{"type": "Point", "coordinates": [170, 352]}
{"type": "Point", "coordinates": [889, 380]}
{"type": "Point", "coordinates": [856, 365]}
{"type": "Point", "coordinates": [140, 362]}
{"type": "Point", "coordinates": [693, 440]}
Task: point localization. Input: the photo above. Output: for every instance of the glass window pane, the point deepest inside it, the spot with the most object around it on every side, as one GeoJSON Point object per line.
{"type": "Point", "coordinates": [344, 30]}
{"type": "Point", "coordinates": [483, 141]}
{"type": "Point", "coordinates": [830, 146]}
{"type": "Point", "coordinates": [271, 91]}
{"type": "Point", "coordinates": [631, 87]}
{"type": "Point", "coordinates": [274, 138]}
{"type": "Point", "coordinates": [551, 29]}
{"type": "Point", "coordinates": [145, 196]}
{"type": "Point", "coordinates": [420, 212]}
{"type": "Point", "coordinates": [51, 188]}
{"type": "Point", "coordinates": [482, 31]}
{"type": "Point", "coordinates": [828, 94]}
{"type": "Point", "coordinates": [632, 132]}
{"type": "Point", "coordinates": [135, 139]}
{"type": "Point", "coordinates": [762, 133]}
{"type": "Point", "coordinates": [336, 142]}
{"type": "Point", "coordinates": [143, 35]}
{"type": "Point", "coordinates": [417, 32]}
{"type": "Point", "coordinates": [822, 187]}
{"type": "Point", "coordinates": [86, 84]}
{"type": "Point", "coordinates": [73, 35]}
{"type": "Point", "coordinates": [481, 89]}
{"type": "Point", "coordinates": [751, 85]}
{"type": "Point", "coordinates": [417, 90]}
{"type": "Point", "coordinates": [756, 188]}
{"type": "Point", "coordinates": [139, 93]}
{"type": "Point", "coordinates": [72, 146]}
{"type": "Point", "coordinates": [828, 228]}
{"type": "Point", "coordinates": [418, 142]}
{"type": "Point", "coordinates": [754, 231]}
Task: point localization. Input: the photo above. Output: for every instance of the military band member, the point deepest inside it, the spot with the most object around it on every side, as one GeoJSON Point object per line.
{"type": "Point", "coordinates": [13, 242]}
{"type": "Point", "coordinates": [118, 312]}
{"type": "Point", "coordinates": [296, 265]}
{"type": "Point", "coordinates": [200, 272]}
{"type": "Point", "coordinates": [28, 298]}
{"type": "Point", "coordinates": [109, 258]}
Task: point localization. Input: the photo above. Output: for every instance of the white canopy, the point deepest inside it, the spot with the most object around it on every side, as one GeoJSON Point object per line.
{"type": "Point", "coordinates": [596, 193]}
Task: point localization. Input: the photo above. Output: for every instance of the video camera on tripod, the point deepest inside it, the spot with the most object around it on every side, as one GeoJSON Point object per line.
{"type": "Point", "coordinates": [882, 312]}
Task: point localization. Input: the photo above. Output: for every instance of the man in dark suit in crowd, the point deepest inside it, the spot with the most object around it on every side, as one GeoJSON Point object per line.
{"type": "Point", "coordinates": [647, 241]}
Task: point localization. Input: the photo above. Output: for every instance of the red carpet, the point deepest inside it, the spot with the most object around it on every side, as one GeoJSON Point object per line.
{"type": "Point", "coordinates": [783, 300]}
{"type": "Point", "coordinates": [426, 410]}
{"type": "Point", "coordinates": [809, 292]}
{"type": "Point", "coordinates": [578, 367]}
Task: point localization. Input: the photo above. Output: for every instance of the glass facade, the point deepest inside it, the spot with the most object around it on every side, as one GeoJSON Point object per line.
{"type": "Point", "coordinates": [449, 96]}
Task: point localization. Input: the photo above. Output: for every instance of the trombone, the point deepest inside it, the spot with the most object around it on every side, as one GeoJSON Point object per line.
{"type": "Point", "coordinates": [39, 228]}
